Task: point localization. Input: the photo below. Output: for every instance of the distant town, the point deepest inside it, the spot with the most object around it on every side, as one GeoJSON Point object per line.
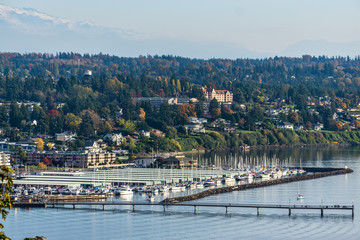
{"type": "Point", "coordinates": [80, 111]}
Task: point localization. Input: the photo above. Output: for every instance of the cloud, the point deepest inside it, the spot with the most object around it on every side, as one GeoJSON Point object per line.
{"type": "Point", "coordinates": [33, 22]}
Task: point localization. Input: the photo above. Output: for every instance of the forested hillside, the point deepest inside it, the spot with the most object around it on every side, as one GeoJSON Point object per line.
{"type": "Point", "coordinates": [70, 98]}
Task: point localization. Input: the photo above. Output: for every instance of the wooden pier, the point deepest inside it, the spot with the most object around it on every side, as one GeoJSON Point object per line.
{"type": "Point", "coordinates": [72, 198]}
{"type": "Point", "coordinates": [289, 207]}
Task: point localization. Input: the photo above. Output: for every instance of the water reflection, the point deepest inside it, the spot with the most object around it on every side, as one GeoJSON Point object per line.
{"type": "Point", "coordinates": [282, 157]}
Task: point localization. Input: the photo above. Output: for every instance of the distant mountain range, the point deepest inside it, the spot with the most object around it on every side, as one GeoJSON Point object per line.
{"type": "Point", "coordinates": [322, 47]}
{"type": "Point", "coordinates": [28, 30]}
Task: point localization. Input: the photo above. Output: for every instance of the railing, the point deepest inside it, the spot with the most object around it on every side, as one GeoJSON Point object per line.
{"type": "Point", "coordinates": [195, 205]}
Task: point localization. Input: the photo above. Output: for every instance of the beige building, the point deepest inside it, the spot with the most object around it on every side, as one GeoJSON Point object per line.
{"type": "Point", "coordinates": [223, 96]}
{"type": "Point", "coordinates": [5, 159]}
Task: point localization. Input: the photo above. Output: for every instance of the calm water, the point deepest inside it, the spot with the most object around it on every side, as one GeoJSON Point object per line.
{"type": "Point", "coordinates": [209, 223]}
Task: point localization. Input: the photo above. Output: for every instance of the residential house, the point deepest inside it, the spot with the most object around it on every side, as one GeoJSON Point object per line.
{"type": "Point", "coordinates": [229, 129]}
{"type": "Point", "coordinates": [65, 136]}
{"type": "Point", "coordinates": [144, 133]}
{"type": "Point", "coordinates": [285, 125]}
{"type": "Point", "coordinates": [318, 126]}
{"type": "Point", "coordinates": [116, 138]}
{"type": "Point", "coordinates": [299, 127]}
{"type": "Point", "coordinates": [194, 127]}
{"type": "Point", "coordinates": [95, 145]}
{"type": "Point", "coordinates": [157, 132]}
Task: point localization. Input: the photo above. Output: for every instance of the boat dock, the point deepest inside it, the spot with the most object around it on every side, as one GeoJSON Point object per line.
{"type": "Point", "coordinates": [130, 176]}
{"type": "Point", "coordinates": [195, 206]}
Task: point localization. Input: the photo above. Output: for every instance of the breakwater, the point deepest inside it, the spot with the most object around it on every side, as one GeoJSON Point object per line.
{"type": "Point", "coordinates": [326, 172]}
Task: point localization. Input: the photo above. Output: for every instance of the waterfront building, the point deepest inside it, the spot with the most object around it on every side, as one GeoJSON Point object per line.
{"type": "Point", "coordinates": [144, 162]}
{"type": "Point", "coordinates": [180, 162]}
{"type": "Point", "coordinates": [74, 159]}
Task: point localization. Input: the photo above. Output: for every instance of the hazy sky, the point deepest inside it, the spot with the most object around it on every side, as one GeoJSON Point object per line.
{"type": "Point", "coordinates": [258, 25]}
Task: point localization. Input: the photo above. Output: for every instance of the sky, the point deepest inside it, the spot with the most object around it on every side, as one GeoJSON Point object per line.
{"type": "Point", "coordinates": [268, 26]}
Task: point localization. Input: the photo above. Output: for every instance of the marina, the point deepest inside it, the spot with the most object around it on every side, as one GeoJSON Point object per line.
{"type": "Point", "coordinates": [271, 223]}
{"type": "Point", "coordinates": [129, 176]}
{"type": "Point", "coordinates": [54, 185]}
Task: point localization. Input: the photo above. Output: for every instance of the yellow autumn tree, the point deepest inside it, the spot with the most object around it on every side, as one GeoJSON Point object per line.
{"type": "Point", "coordinates": [142, 114]}
{"type": "Point", "coordinates": [41, 165]}
{"type": "Point", "coordinates": [176, 144]}
{"type": "Point", "coordinates": [39, 144]}
{"type": "Point", "coordinates": [50, 146]}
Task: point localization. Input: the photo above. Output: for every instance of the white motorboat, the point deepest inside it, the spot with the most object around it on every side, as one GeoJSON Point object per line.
{"type": "Point", "coordinates": [218, 183]}
{"type": "Point", "coordinates": [164, 188]}
{"type": "Point", "coordinates": [300, 197]}
{"type": "Point", "coordinates": [65, 191]}
{"type": "Point", "coordinates": [210, 183]}
{"type": "Point", "coordinates": [175, 189]}
{"type": "Point", "coordinates": [199, 185]}
{"type": "Point", "coordinates": [124, 190]}
{"type": "Point", "coordinates": [150, 198]}
{"type": "Point", "coordinates": [265, 176]}
{"type": "Point", "coordinates": [228, 180]}
{"type": "Point", "coordinates": [192, 186]}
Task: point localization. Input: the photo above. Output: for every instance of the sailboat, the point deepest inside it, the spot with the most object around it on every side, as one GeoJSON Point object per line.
{"type": "Point", "coordinates": [299, 196]}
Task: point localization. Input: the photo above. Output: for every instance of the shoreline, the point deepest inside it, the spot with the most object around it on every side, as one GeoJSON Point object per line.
{"type": "Point", "coordinates": [248, 148]}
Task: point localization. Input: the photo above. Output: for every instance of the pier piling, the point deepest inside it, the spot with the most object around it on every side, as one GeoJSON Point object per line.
{"type": "Point", "coordinates": [195, 209]}
{"type": "Point", "coordinates": [289, 211]}
{"type": "Point", "coordinates": [258, 211]}
{"type": "Point", "coordinates": [226, 210]}
{"type": "Point", "coordinates": [133, 208]}
{"type": "Point", "coordinates": [73, 206]}
{"type": "Point", "coordinates": [322, 212]}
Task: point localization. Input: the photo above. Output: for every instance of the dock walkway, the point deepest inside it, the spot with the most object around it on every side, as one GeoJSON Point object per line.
{"type": "Point", "coordinates": [289, 207]}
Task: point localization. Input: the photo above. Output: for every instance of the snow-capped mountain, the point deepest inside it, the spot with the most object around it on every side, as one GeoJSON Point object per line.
{"type": "Point", "coordinates": [28, 30]}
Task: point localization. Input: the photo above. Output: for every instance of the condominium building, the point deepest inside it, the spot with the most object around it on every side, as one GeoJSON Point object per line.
{"type": "Point", "coordinates": [5, 159]}
{"type": "Point", "coordinates": [71, 159]}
